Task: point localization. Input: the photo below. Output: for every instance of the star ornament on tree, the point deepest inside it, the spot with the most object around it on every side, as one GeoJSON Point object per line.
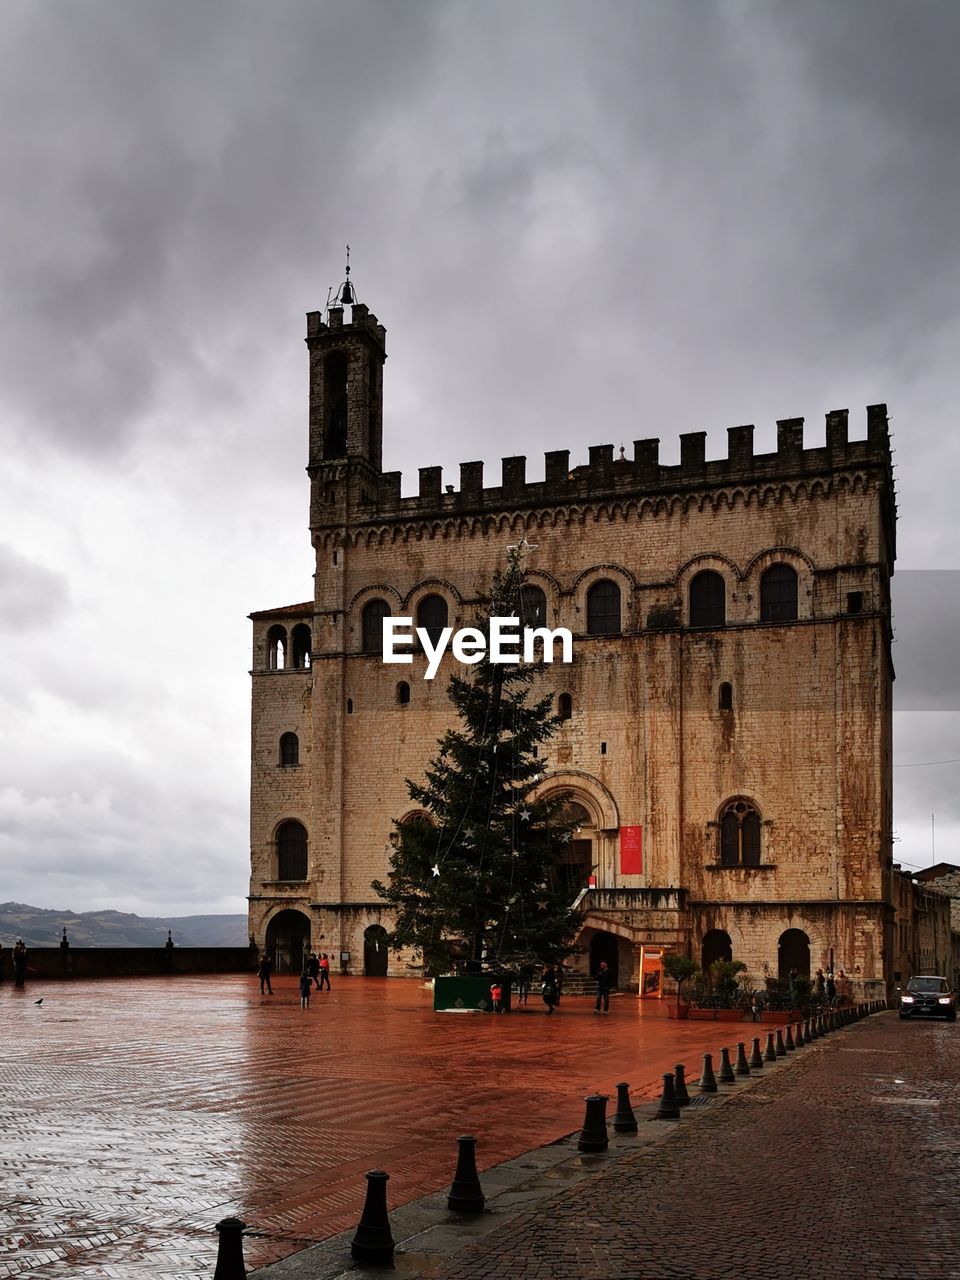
{"type": "Point", "coordinates": [435, 869]}
{"type": "Point", "coordinates": [525, 815]}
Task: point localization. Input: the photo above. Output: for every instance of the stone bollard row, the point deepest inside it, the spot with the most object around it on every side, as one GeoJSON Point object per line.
{"type": "Point", "coordinates": [373, 1242]}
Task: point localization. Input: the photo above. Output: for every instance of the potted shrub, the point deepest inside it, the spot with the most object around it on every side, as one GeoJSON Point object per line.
{"type": "Point", "coordinates": [681, 969]}
{"type": "Point", "coordinates": [725, 986]}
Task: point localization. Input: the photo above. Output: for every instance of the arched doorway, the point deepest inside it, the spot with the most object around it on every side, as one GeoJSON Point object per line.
{"type": "Point", "coordinates": [716, 946]}
{"type": "Point", "coordinates": [793, 952]}
{"type": "Point", "coordinates": [603, 946]}
{"type": "Point", "coordinates": [574, 864]}
{"type": "Point", "coordinates": [375, 951]}
{"type": "Point", "coordinates": [288, 939]}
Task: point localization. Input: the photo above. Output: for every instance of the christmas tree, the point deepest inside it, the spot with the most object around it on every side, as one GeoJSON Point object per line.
{"type": "Point", "coordinates": [476, 878]}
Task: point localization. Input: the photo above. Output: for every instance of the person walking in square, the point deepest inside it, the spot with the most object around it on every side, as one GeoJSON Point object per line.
{"type": "Point", "coordinates": [306, 985]}
{"type": "Point", "coordinates": [525, 977]}
{"type": "Point", "coordinates": [313, 968]}
{"type": "Point", "coordinates": [20, 963]}
{"type": "Point", "coordinates": [496, 997]}
{"type": "Point", "coordinates": [263, 973]}
{"type": "Point", "coordinates": [604, 983]}
{"type": "Point", "coordinates": [549, 988]}
{"type": "Point", "coordinates": [324, 972]}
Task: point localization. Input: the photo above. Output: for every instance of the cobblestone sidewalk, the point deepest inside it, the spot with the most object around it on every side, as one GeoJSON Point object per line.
{"type": "Point", "coordinates": [843, 1166]}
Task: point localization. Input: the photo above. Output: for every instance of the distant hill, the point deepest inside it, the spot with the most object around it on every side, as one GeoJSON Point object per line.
{"type": "Point", "coordinates": [40, 927]}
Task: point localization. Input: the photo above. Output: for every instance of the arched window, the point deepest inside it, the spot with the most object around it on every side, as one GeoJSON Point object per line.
{"type": "Point", "coordinates": [289, 750]}
{"type": "Point", "coordinates": [565, 706]}
{"type": "Point", "coordinates": [778, 594]}
{"type": "Point", "coordinates": [603, 609]}
{"type": "Point", "coordinates": [716, 945]}
{"type": "Point", "coordinates": [739, 835]}
{"type": "Point", "coordinates": [371, 622]}
{"type": "Point", "coordinates": [403, 693]}
{"type": "Point", "coordinates": [432, 616]}
{"type": "Point", "coordinates": [292, 851]}
{"type": "Point", "coordinates": [533, 606]}
{"type": "Point", "coordinates": [300, 646]}
{"type": "Point", "coordinates": [750, 839]}
{"type": "Point", "coordinates": [276, 648]}
{"type": "Point", "coordinates": [708, 600]}
{"type": "Point", "coordinates": [729, 840]}
{"type": "Point", "coordinates": [726, 697]}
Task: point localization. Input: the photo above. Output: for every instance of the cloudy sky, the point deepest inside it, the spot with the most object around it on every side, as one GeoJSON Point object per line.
{"type": "Point", "coordinates": [580, 223]}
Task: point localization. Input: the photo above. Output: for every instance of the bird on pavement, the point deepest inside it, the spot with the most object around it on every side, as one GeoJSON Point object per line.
{"type": "Point", "coordinates": [40, 1001]}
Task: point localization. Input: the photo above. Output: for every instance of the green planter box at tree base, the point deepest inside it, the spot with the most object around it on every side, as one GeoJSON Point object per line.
{"type": "Point", "coordinates": [468, 995]}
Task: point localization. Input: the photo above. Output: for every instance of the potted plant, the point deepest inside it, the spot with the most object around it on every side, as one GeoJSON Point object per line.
{"type": "Point", "coordinates": [681, 969]}
{"type": "Point", "coordinates": [725, 985]}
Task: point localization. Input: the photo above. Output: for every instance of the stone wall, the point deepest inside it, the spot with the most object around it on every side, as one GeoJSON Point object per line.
{"type": "Point", "coordinates": [129, 962]}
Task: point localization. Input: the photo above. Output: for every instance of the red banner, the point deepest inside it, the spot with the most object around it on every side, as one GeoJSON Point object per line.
{"type": "Point", "coordinates": [631, 851]}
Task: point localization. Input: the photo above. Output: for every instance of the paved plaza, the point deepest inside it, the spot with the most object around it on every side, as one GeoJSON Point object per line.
{"type": "Point", "coordinates": [136, 1113]}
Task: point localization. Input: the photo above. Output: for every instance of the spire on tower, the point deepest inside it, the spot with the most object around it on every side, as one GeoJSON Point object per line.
{"type": "Point", "coordinates": [344, 295]}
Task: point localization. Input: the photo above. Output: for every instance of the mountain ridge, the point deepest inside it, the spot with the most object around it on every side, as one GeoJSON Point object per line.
{"type": "Point", "coordinates": [43, 927]}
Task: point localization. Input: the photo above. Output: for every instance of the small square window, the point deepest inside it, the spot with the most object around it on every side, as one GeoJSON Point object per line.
{"type": "Point", "coordinates": [854, 602]}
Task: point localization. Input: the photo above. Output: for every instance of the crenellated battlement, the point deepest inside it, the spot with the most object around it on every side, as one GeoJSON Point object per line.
{"type": "Point", "coordinates": [605, 476]}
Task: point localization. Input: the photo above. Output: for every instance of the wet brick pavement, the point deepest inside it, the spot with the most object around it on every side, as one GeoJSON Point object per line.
{"type": "Point", "coordinates": [844, 1166]}
{"type": "Point", "coordinates": [136, 1113]}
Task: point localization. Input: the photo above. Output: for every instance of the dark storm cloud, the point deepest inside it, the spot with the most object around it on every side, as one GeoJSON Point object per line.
{"type": "Point", "coordinates": [166, 160]}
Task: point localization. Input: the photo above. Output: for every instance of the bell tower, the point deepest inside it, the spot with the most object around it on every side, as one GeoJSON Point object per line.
{"type": "Point", "coordinates": [347, 346]}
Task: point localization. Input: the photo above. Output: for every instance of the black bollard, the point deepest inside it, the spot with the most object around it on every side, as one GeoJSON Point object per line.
{"type": "Point", "coordinates": [708, 1081]}
{"type": "Point", "coordinates": [668, 1109]}
{"type": "Point", "coordinates": [230, 1250]}
{"type": "Point", "coordinates": [373, 1242]}
{"type": "Point", "coordinates": [788, 1039]}
{"type": "Point", "coordinates": [756, 1058]}
{"type": "Point", "coordinates": [726, 1070]}
{"type": "Point", "coordinates": [816, 1027]}
{"type": "Point", "coordinates": [466, 1194]}
{"type": "Point", "coordinates": [680, 1085]}
{"type": "Point", "coordinates": [798, 1038]}
{"type": "Point", "coordinates": [743, 1066]}
{"type": "Point", "coordinates": [781, 1047]}
{"type": "Point", "coordinates": [624, 1121]}
{"type": "Point", "coordinates": [770, 1053]}
{"type": "Point", "coordinates": [593, 1135]}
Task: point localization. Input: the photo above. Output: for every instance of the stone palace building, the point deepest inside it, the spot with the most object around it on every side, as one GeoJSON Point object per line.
{"type": "Point", "coordinates": [726, 734]}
